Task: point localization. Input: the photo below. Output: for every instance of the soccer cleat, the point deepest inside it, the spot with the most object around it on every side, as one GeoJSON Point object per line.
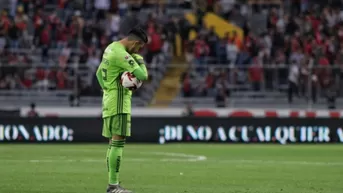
{"type": "Point", "coordinates": [117, 189]}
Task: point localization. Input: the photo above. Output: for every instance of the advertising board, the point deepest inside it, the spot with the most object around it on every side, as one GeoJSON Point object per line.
{"type": "Point", "coordinates": [168, 130]}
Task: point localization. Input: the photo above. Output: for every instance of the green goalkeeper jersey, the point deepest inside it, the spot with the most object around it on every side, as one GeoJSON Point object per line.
{"type": "Point", "coordinates": [116, 99]}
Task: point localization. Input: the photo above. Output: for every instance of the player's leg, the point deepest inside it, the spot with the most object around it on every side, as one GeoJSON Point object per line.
{"type": "Point", "coordinates": [119, 129]}
{"type": "Point", "coordinates": [106, 132]}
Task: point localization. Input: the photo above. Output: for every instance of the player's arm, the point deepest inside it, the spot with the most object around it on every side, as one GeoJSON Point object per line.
{"type": "Point", "coordinates": [142, 71]}
{"type": "Point", "coordinates": [127, 62]}
{"type": "Point", "coordinates": [99, 77]}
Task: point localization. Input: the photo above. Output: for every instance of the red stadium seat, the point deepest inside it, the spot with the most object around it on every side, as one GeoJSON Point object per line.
{"type": "Point", "coordinates": [271, 114]}
{"type": "Point", "coordinates": [335, 114]}
{"type": "Point", "coordinates": [241, 114]}
{"type": "Point", "coordinates": [294, 114]}
{"type": "Point", "coordinates": [311, 114]}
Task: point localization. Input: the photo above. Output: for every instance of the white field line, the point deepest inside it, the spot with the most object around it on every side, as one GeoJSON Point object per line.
{"type": "Point", "coordinates": [177, 157]}
{"type": "Point", "coordinates": [174, 157]}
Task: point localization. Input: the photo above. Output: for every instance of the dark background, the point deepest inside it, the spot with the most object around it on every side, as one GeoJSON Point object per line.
{"type": "Point", "coordinates": [167, 130]}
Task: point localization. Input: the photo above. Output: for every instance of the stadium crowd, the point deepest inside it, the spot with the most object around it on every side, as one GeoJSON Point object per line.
{"type": "Point", "coordinates": [296, 39]}
{"type": "Point", "coordinates": [57, 44]}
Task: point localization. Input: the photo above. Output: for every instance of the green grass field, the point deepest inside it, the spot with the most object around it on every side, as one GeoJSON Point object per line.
{"type": "Point", "coordinates": [178, 168]}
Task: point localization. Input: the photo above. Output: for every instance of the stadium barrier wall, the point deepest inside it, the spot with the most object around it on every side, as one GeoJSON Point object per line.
{"type": "Point", "coordinates": [168, 130]}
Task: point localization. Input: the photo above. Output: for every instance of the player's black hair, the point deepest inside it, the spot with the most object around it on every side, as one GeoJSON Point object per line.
{"type": "Point", "coordinates": [139, 33]}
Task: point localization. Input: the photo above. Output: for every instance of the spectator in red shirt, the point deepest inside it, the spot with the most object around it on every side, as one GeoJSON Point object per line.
{"type": "Point", "coordinates": [323, 61]}
{"type": "Point", "coordinates": [62, 34]}
{"type": "Point", "coordinates": [45, 36]}
{"type": "Point", "coordinates": [308, 46]}
{"type": "Point", "coordinates": [21, 19]}
{"type": "Point", "coordinates": [61, 78]}
{"type": "Point", "coordinates": [4, 22]}
{"type": "Point", "coordinates": [54, 21]}
{"type": "Point", "coordinates": [38, 26]}
{"type": "Point", "coordinates": [40, 74]}
{"type": "Point", "coordinates": [27, 81]}
{"type": "Point", "coordinates": [256, 74]}
{"type": "Point", "coordinates": [201, 51]}
{"type": "Point", "coordinates": [155, 44]}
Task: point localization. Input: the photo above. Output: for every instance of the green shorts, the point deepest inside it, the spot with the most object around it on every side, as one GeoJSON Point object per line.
{"type": "Point", "coordinates": [117, 125]}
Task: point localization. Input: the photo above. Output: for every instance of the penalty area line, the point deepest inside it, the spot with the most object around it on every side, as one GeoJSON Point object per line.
{"type": "Point", "coordinates": [168, 157]}
{"type": "Point", "coordinates": [179, 157]}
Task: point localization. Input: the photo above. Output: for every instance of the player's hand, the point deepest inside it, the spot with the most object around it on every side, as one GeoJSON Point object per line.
{"type": "Point", "coordinates": [138, 58]}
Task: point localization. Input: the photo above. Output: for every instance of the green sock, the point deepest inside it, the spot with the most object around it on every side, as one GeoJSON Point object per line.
{"type": "Point", "coordinates": [114, 159]}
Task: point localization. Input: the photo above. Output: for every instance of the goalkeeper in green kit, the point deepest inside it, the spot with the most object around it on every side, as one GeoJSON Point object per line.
{"type": "Point", "coordinates": [119, 57]}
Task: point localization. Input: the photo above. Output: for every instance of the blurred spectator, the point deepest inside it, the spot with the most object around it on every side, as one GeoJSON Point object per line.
{"type": "Point", "coordinates": [21, 20]}
{"type": "Point", "coordinates": [101, 7]}
{"type": "Point", "coordinates": [57, 45]}
{"type": "Point", "coordinates": [27, 81]}
{"type": "Point", "coordinates": [283, 54]}
{"type": "Point", "coordinates": [256, 74]}
{"type": "Point", "coordinates": [115, 24]}
{"type": "Point", "coordinates": [201, 52]}
{"type": "Point", "coordinates": [293, 79]}
{"type": "Point", "coordinates": [231, 52]}
{"type": "Point", "coordinates": [122, 7]}
{"type": "Point", "coordinates": [282, 45]}
{"type": "Point", "coordinates": [187, 85]}
{"type": "Point", "coordinates": [64, 57]}
{"type": "Point", "coordinates": [61, 36]}
{"type": "Point", "coordinates": [32, 112]}
{"type": "Point", "coordinates": [45, 42]}
{"type": "Point", "coordinates": [38, 25]}
{"type": "Point", "coordinates": [212, 40]}
{"type": "Point", "coordinates": [188, 112]}
{"type": "Point", "coordinates": [330, 92]}
{"type": "Point", "coordinates": [74, 98]}
{"type": "Point", "coordinates": [155, 44]}
{"type": "Point", "coordinates": [221, 100]}
{"type": "Point", "coordinates": [13, 34]}
{"type": "Point", "coordinates": [92, 64]}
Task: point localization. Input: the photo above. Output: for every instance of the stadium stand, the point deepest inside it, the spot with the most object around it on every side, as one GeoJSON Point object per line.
{"type": "Point", "coordinates": [290, 48]}
{"type": "Point", "coordinates": [255, 53]}
{"type": "Point", "coordinates": [49, 54]}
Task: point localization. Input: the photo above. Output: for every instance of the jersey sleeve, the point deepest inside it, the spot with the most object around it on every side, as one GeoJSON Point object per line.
{"type": "Point", "coordinates": [126, 61]}
{"type": "Point", "coordinates": [100, 78]}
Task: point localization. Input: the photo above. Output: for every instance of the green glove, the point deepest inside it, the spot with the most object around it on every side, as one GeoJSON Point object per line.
{"type": "Point", "coordinates": [138, 58]}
